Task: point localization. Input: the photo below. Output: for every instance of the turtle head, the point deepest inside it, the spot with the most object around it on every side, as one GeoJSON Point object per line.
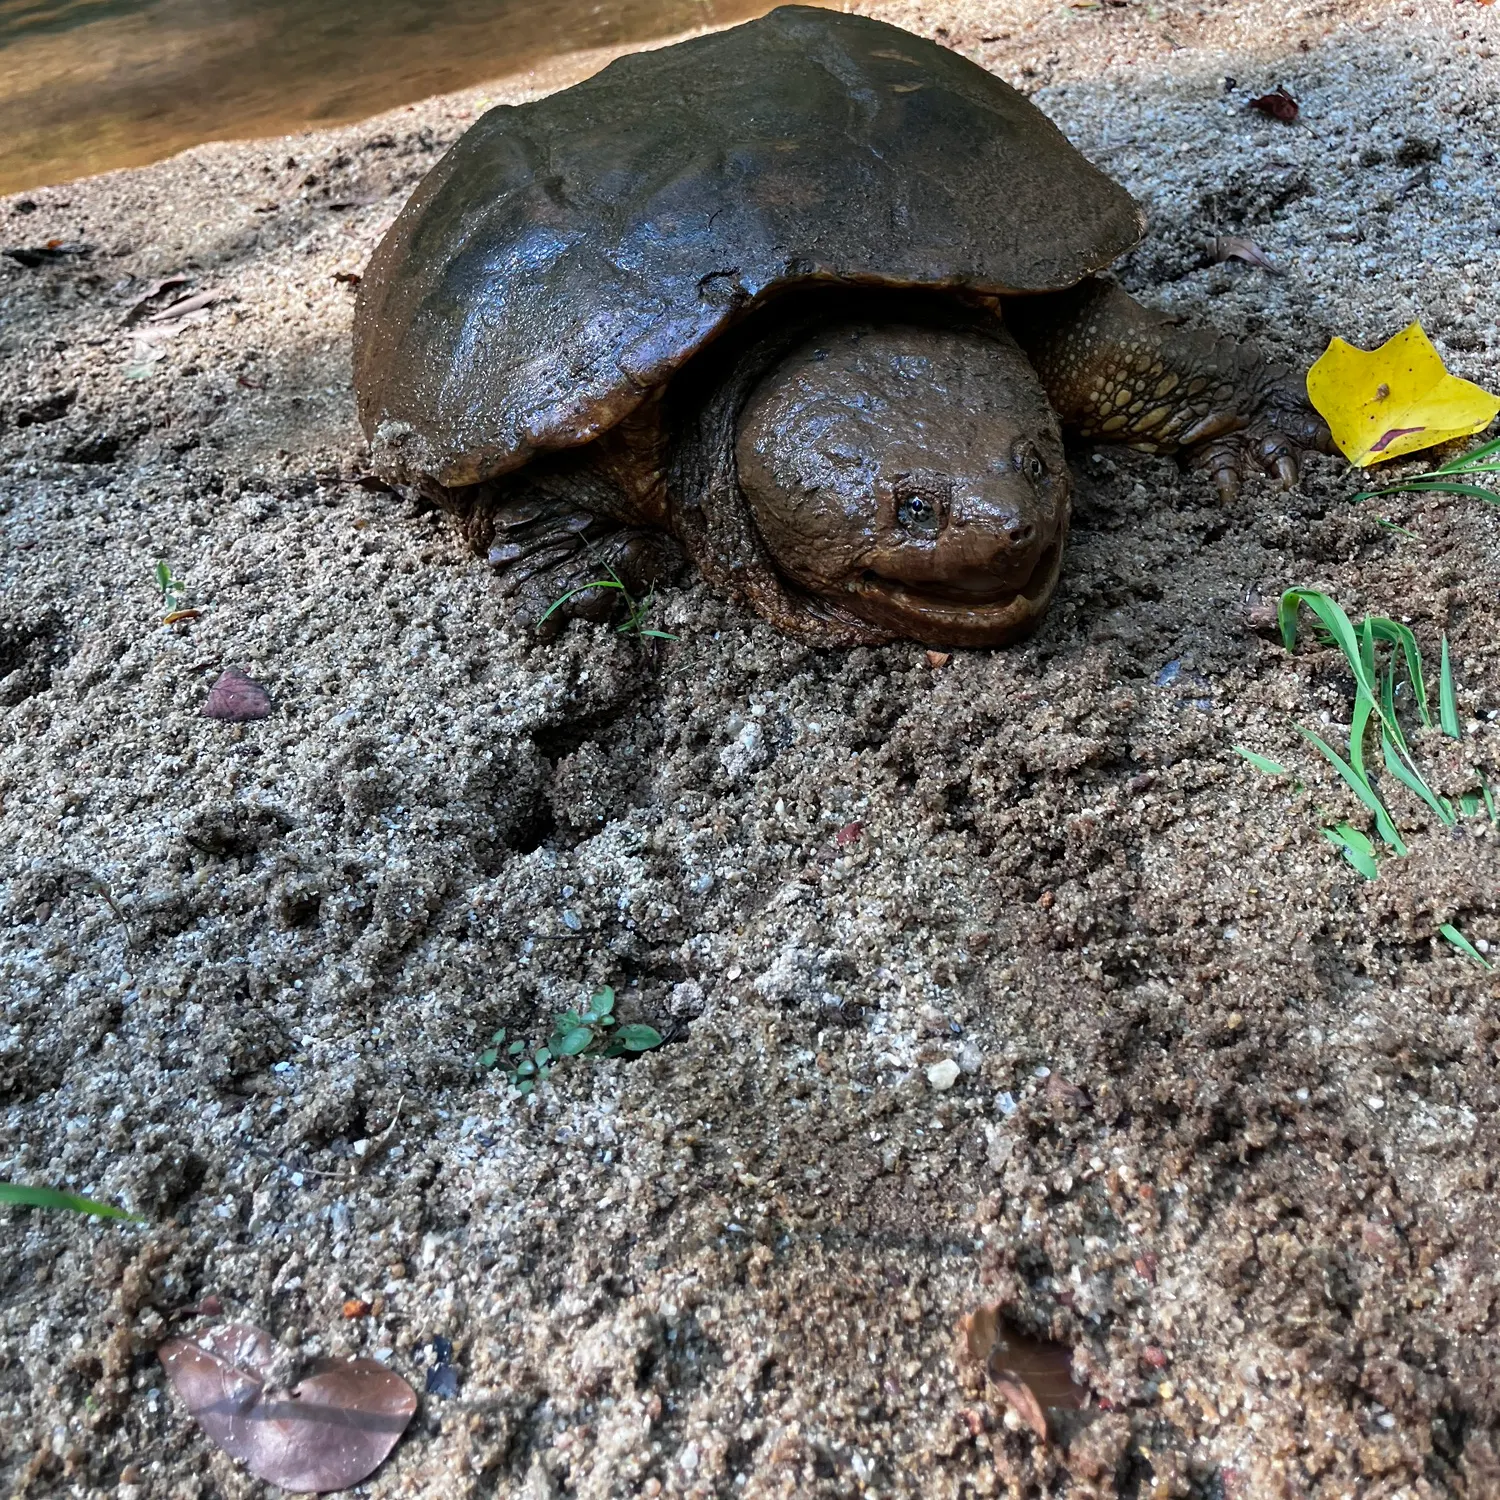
{"type": "Point", "coordinates": [913, 475]}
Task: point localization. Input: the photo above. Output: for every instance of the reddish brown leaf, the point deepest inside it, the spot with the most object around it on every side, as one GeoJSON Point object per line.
{"type": "Point", "coordinates": [849, 834]}
{"type": "Point", "coordinates": [1030, 1376]}
{"type": "Point", "coordinates": [1021, 1399]}
{"type": "Point", "coordinates": [356, 1307]}
{"type": "Point", "coordinates": [348, 278]}
{"type": "Point", "coordinates": [328, 1432]}
{"type": "Point", "coordinates": [1224, 247]}
{"type": "Point", "coordinates": [237, 698]}
{"type": "Point", "coordinates": [1060, 1091]}
{"type": "Point", "coordinates": [1280, 105]}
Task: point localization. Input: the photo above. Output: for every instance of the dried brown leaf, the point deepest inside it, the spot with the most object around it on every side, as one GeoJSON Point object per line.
{"type": "Point", "coordinates": [1060, 1091]}
{"type": "Point", "coordinates": [328, 1432]}
{"type": "Point", "coordinates": [1010, 1389]}
{"type": "Point", "coordinates": [185, 305]}
{"type": "Point", "coordinates": [1030, 1376]}
{"type": "Point", "coordinates": [1279, 105]}
{"type": "Point", "coordinates": [939, 658]}
{"type": "Point", "coordinates": [237, 698]}
{"type": "Point", "coordinates": [1224, 247]}
{"type": "Point", "coordinates": [142, 304]}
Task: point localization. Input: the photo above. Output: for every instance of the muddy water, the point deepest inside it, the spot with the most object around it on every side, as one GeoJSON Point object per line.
{"type": "Point", "coordinates": [87, 85]}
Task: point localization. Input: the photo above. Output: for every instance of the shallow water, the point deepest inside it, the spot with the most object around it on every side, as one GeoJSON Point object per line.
{"type": "Point", "coordinates": [88, 85]}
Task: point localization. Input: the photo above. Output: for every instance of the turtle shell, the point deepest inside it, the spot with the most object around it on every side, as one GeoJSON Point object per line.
{"type": "Point", "coordinates": [567, 256]}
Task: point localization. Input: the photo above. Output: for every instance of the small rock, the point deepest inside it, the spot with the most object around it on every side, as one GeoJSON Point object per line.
{"type": "Point", "coordinates": [943, 1075]}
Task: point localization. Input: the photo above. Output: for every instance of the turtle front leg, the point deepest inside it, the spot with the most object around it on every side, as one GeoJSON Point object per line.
{"type": "Point", "coordinates": [1118, 372]}
{"type": "Point", "coordinates": [557, 560]}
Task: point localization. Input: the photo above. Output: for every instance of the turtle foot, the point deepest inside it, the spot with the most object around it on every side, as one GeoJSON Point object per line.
{"type": "Point", "coordinates": [591, 577]}
{"type": "Point", "coordinates": [1281, 431]}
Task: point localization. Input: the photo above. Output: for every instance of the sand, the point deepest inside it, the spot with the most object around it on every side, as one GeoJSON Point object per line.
{"type": "Point", "coordinates": [1224, 1114]}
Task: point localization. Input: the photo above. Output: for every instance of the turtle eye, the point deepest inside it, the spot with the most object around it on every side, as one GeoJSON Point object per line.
{"type": "Point", "coordinates": [917, 514]}
{"type": "Point", "coordinates": [1028, 461]}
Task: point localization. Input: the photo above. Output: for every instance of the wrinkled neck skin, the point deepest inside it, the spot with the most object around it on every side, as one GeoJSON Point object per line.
{"type": "Point", "coordinates": [908, 478]}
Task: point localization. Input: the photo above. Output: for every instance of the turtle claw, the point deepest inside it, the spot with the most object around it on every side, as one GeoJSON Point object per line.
{"type": "Point", "coordinates": [1274, 442]}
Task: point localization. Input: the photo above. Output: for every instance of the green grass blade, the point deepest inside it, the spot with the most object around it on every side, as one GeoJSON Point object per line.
{"type": "Point", "coordinates": [1392, 725]}
{"type": "Point", "coordinates": [1261, 762]}
{"type": "Point", "coordinates": [1397, 634]}
{"type": "Point", "coordinates": [599, 583]}
{"type": "Point", "coordinates": [1470, 803]}
{"type": "Point", "coordinates": [1441, 486]}
{"type": "Point", "coordinates": [1466, 461]}
{"type": "Point", "coordinates": [1355, 847]}
{"type": "Point", "coordinates": [1408, 776]}
{"type": "Point", "coordinates": [1464, 946]}
{"type": "Point", "coordinates": [41, 1197]}
{"type": "Point", "coordinates": [1361, 788]}
{"type": "Point", "coordinates": [1447, 701]}
{"type": "Point", "coordinates": [1390, 525]}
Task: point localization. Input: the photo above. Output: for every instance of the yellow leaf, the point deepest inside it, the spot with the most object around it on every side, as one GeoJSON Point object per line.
{"type": "Point", "coordinates": [1382, 403]}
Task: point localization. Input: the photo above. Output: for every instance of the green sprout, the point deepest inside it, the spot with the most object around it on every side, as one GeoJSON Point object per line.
{"type": "Point", "coordinates": [594, 1032]}
{"type": "Point", "coordinates": [1377, 685]}
{"type": "Point", "coordinates": [41, 1197]}
{"type": "Point", "coordinates": [173, 590]}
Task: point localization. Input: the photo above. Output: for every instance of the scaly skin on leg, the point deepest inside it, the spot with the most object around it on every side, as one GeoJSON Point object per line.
{"type": "Point", "coordinates": [1116, 371]}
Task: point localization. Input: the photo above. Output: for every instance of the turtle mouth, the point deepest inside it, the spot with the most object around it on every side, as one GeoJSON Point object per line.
{"type": "Point", "coordinates": [952, 614]}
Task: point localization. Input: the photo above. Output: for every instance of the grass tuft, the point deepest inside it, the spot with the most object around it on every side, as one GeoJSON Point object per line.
{"type": "Point", "coordinates": [1386, 662]}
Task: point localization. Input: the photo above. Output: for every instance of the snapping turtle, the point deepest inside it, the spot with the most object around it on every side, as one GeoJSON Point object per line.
{"type": "Point", "coordinates": [810, 299]}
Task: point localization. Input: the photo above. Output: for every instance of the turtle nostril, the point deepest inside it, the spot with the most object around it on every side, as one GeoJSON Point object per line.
{"type": "Point", "coordinates": [1021, 536]}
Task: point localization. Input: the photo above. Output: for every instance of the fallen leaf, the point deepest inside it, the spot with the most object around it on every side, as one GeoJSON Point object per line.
{"type": "Point", "coordinates": [1224, 247]}
{"type": "Point", "coordinates": [141, 305]}
{"type": "Point", "coordinates": [348, 278]}
{"type": "Point", "coordinates": [1060, 1091]}
{"type": "Point", "coordinates": [237, 698]}
{"type": "Point", "coordinates": [1397, 399]}
{"type": "Point", "coordinates": [185, 305]}
{"type": "Point", "coordinates": [1280, 105]}
{"type": "Point", "coordinates": [356, 1307]}
{"type": "Point", "coordinates": [939, 658]}
{"type": "Point", "coordinates": [849, 834]}
{"type": "Point", "coordinates": [1030, 1376]}
{"type": "Point", "coordinates": [330, 1431]}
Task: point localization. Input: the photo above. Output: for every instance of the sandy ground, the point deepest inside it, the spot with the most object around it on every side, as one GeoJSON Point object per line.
{"type": "Point", "coordinates": [1225, 1115]}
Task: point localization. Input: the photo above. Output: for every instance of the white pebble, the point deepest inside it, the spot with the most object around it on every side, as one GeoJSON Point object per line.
{"type": "Point", "coordinates": [943, 1075]}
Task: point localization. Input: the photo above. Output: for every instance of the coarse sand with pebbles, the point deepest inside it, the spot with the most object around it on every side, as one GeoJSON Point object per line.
{"type": "Point", "coordinates": [1223, 1119]}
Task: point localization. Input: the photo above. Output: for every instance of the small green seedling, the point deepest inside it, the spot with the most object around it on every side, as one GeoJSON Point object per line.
{"type": "Point", "coordinates": [637, 610]}
{"type": "Point", "coordinates": [594, 1031]}
{"type": "Point", "coordinates": [173, 591]}
{"type": "Point", "coordinates": [1451, 478]}
{"type": "Point", "coordinates": [41, 1197]}
{"type": "Point", "coordinates": [1377, 687]}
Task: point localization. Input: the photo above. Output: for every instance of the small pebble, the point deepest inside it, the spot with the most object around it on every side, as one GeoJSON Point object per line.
{"type": "Point", "coordinates": [943, 1075]}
